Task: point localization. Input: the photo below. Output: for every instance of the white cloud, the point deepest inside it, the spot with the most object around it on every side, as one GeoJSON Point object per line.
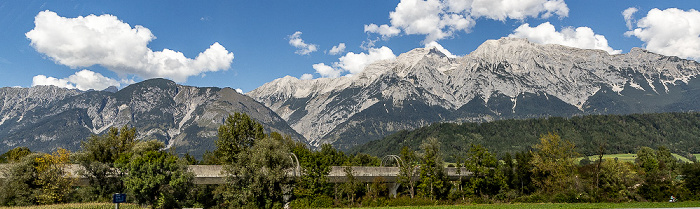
{"type": "Point", "coordinates": [307, 76]}
{"type": "Point", "coordinates": [519, 10]}
{"type": "Point", "coordinates": [442, 49]}
{"type": "Point", "coordinates": [42, 80]}
{"type": "Point", "coordinates": [327, 71]}
{"type": "Point", "coordinates": [581, 37]}
{"type": "Point", "coordinates": [240, 91]}
{"type": "Point", "coordinates": [83, 80]}
{"type": "Point", "coordinates": [355, 63]}
{"type": "Point", "coordinates": [302, 47]}
{"type": "Point", "coordinates": [672, 32]}
{"type": "Point", "coordinates": [384, 30]}
{"type": "Point", "coordinates": [337, 49]}
{"type": "Point", "coordinates": [107, 41]}
{"type": "Point", "coordinates": [627, 14]}
{"type": "Point", "coordinates": [352, 63]}
{"type": "Point", "coordinates": [441, 19]}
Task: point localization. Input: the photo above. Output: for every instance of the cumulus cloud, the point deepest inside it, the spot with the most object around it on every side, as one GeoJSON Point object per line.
{"type": "Point", "coordinates": [353, 63]}
{"type": "Point", "coordinates": [306, 76]}
{"type": "Point", "coordinates": [627, 14]}
{"type": "Point", "coordinates": [327, 71]}
{"type": "Point", "coordinates": [581, 37]}
{"type": "Point", "coordinates": [384, 30]}
{"type": "Point", "coordinates": [337, 49]}
{"type": "Point", "coordinates": [302, 47]}
{"type": "Point", "coordinates": [519, 10]}
{"type": "Point", "coordinates": [107, 41]}
{"type": "Point", "coordinates": [672, 32]}
{"type": "Point", "coordinates": [240, 91]}
{"type": "Point", "coordinates": [83, 80]}
{"type": "Point", "coordinates": [441, 19]}
{"type": "Point", "coordinates": [441, 49]}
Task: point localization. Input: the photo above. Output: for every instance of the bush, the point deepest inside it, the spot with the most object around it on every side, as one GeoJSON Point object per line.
{"type": "Point", "coordinates": [407, 201]}
{"type": "Point", "coordinates": [570, 197]}
{"type": "Point", "coordinates": [533, 198]}
{"type": "Point", "coordinates": [374, 202]}
{"type": "Point", "coordinates": [322, 201]}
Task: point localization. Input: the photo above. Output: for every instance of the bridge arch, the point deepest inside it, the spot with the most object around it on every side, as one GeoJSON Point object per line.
{"type": "Point", "coordinates": [390, 160]}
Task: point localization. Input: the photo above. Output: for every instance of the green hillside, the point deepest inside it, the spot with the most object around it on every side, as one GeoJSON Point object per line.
{"type": "Point", "coordinates": [680, 132]}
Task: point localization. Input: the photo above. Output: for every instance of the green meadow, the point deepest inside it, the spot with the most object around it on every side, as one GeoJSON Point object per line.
{"type": "Point", "coordinates": [561, 205]}
{"type": "Point", "coordinates": [630, 157]}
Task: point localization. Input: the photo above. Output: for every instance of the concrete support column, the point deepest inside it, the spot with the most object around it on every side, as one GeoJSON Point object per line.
{"type": "Point", "coordinates": [393, 188]}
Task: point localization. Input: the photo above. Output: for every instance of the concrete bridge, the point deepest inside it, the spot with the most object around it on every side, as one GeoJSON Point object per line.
{"type": "Point", "coordinates": [213, 174]}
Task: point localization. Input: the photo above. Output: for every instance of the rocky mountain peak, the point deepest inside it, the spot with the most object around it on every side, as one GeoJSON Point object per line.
{"type": "Point", "coordinates": [500, 79]}
{"type": "Point", "coordinates": [184, 117]}
{"type": "Point", "coordinates": [111, 89]}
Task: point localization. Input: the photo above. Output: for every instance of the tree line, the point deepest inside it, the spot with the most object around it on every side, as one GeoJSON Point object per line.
{"type": "Point", "coordinates": [258, 166]}
{"type": "Point", "coordinates": [679, 132]}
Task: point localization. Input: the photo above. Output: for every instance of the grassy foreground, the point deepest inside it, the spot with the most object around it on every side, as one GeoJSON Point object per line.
{"type": "Point", "coordinates": [562, 205]}
{"type": "Point", "coordinates": [484, 206]}
{"type": "Point", "coordinates": [79, 206]}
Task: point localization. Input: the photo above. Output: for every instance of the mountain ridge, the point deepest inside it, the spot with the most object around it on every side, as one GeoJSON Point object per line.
{"type": "Point", "coordinates": [499, 78]}
{"type": "Point", "coordinates": [186, 118]}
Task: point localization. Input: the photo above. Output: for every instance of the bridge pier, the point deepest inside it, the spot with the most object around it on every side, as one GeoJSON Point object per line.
{"type": "Point", "coordinates": [393, 188]}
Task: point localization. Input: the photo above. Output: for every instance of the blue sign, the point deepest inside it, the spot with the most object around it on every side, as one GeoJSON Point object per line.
{"type": "Point", "coordinates": [118, 198]}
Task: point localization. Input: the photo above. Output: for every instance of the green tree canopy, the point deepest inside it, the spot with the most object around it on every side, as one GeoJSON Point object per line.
{"type": "Point", "coordinates": [238, 133]}
{"type": "Point", "coordinates": [14, 155]}
{"type": "Point", "coordinates": [98, 156]}
{"type": "Point", "coordinates": [433, 181]}
{"type": "Point", "coordinates": [257, 164]}
{"type": "Point", "coordinates": [553, 164]}
{"type": "Point", "coordinates": [159, 179]}
{"type": "Point", "coordinates": [37, 179]}
{"type": "Point", "coordinates": [260, 178]}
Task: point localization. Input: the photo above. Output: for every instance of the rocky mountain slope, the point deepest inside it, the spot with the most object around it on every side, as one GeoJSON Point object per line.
{"type": "Point", "coordinates": [506, 78]}
{"type": "Point", "coordinates": [186, 118]}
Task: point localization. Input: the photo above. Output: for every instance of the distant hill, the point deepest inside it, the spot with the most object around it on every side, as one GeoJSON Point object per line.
{"type": "Point", "coordinates": [186, 118]}
{"type": "Point", "coordinates": [680, 132]}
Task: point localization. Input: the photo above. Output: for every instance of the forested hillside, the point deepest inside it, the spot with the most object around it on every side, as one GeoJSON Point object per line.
{"type": "Point", "coordinates": [680, 132]}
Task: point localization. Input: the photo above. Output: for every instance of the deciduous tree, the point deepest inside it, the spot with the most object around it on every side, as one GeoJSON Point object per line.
{"type": "Point", "coordinates": [553, 164]}
{"type": "Point", "coordinates": [158, 178]}
{"type": "Point", "coordinates": [98, 156]}
{"type": "Point", "coordinates": [433, 181]}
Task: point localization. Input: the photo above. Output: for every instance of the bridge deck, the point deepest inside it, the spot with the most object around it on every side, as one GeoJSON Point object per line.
{"type": "Point", "coordinates": [212, 174]}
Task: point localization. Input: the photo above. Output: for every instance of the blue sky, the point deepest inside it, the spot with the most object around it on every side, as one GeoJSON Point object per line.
{"type": "Point", "coordinates": [249, 43]}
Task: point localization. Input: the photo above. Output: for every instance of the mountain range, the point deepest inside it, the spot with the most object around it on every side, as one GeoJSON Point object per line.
{"type": "Point", "coordinates": [186, 118]}
{"type": "Point", "coordinates": [501, 79]}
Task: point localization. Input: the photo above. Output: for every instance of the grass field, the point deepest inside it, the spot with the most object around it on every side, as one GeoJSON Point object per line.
{"type": "Point", "coordinates": [684, 159]}
{"type": "Point", "coordinates": [78, 206]}
{"type": "Point", "coordinates": [631, 157]}
{"type": "Point", "coordinates": [488, 206]}
{"type": "Point", "coordinates": [562, 205]}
